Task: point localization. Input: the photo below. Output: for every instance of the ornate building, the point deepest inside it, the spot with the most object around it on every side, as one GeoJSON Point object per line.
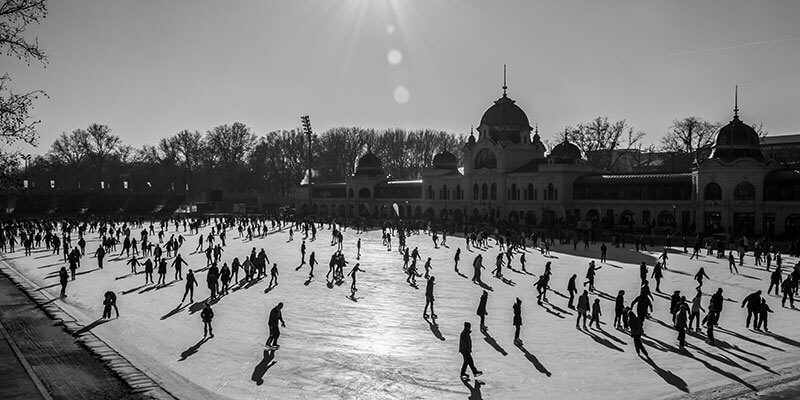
{"type": "Point", "coordinates": [509, 176]}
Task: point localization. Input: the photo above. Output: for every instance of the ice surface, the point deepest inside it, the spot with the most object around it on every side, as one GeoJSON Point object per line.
{"type": "Point", "coordinates": [379, 346]}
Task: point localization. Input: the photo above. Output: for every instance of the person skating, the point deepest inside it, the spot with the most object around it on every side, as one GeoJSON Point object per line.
{"type": "Point", "coordinates": [658, 274]}
{"type": "Point", "coordinates": [701, 273]}
{"type": "Point", "coordinates": [429, 299]}
{"type": "Point", "coordinates": [596, 313]}
{"type": "Point", "coordinates": [303, 253]}
{"type": "Point", "coordinates": [583, 308]}
{"type": "Point", "coordinates": [100, 254]}
{"type": "Point", "coordinates": [177, 265]}
{"type": "Point", "coordinates": [643, 305]}
{"type": "Point", "coordinates": [619, 309]}
{"type": "Point", "coordinates": [643, 272]}
{"type": "Point", "coordinates": [225, 277]}
{"type": "Point", "coordinates": [358, 249]}
{"type": "Point", "coordinates": [352, 274]}
{"type": "Point", "coordinates": [637, 330]}
{"type": "Point", "coordinates": [695, 310]}
{"type": "Point", "coordinates": [572, 290]}
{"type": "Point", "coordinates": [133, 262]}
{"type": "Point", "coordinates": [776, 278]}
{"type": "Point", "coordinates": [498, 269]}
{"type": "Point", "coordinates": [427, 268]}
{"type": "Point", "coordinates": [191, 282]}
{"type": "Point", "coordinates": [63, 277]}
{"type": "Point", "coordinates": [456, 258]}
{"type": "Point", "coordinates": [212, 278]}
{"type": "Point", "coordinates": [162, 271]}
{"type": "Point", "coordinates": [681, 322]}
{"type": "Point", "coordinates": [753, 302]}
{"type": "Point", "coordinates": [482, 310]}
{"type": "Point", "coordinates": [465, 348]}
{"type": "Point", "coordinates": [674, 302]}
{"type": "Point", "coordinates": [517, 308]}
{"type": "Point", "coordinates": [273, 274]}
{"type": "Point", "coordinates": [763, 313]}
{"type": "Point", "coordinates": [590, 274]}
{"type": "Point", "coordinates": [787, 288]}
{"type": "Point", "coordinates": [312, 261]}
{"type": "Point", "coordinates": [477, 265]}
{"type": "Point", "coordinates": [522, 262]}
{"type": "Point", "coordinates": [275, 316]}
{"type": "Point", "coordinates": [206, 315]}
{"type": "Point", "coordinates": [732, 263]}
{"type": "Point", "coordinates": [148, 271]}
{"type": "Point", "coordinates": [714, 309]}
{"type": "Point", "coordinates": [542, 284]}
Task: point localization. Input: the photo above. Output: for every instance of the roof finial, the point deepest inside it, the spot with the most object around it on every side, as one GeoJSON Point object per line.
{"type": "Point", "coordinates": [736, 102]}
{"type": "Point", "coordinates": [471, 129]}
{"type": "Point", "coordinates": [537, 129]}
{"type": "Point", "coordinates": [504, 80]}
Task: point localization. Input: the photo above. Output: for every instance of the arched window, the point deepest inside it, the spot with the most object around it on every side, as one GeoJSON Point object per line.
{"type": "Point", "coordinates": [457, 193]}
{"type": "Point", "coordinates": [485, 159]}
{"type": "Point", "coordinates": [530, 191]}
{"type": "Point", "coordinates": [445, 193]}
{"type": "Point", "coordinates": [513, 191]}
{"type": "Point", "coordinates": [712, 192]}
{"type": "Point", "coordinates": [626, 218]}
{"type": "Point", "coordinates": [550, 193]}
{"type": "Point", "coordinates": [665, 218]}
{"type": "Point", "coordinates": [744, 191]}
{"type": "Point", "coordinates": [485, 192]}
{"type": "Point", "coordinates": [475, 191]}
{"type": "Point", "coordinates": [494, 191]}
{"type": "Point", "coordinates": [363, 193]}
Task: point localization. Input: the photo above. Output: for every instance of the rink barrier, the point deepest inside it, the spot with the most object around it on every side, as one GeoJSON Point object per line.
{"type": "Point", "coordinates": [138, 381]}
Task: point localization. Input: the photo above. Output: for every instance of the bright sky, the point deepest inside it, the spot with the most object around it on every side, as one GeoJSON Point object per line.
{"type": "Point", "coordinates": [151, 68]}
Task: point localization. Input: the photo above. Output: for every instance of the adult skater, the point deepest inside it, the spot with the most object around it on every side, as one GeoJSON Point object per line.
{"type": "Point", "coordinates": [658, 274]}
{"type": "Point", "coordinates": [191, 282]}
{"type": "Point", "coordinates": [275, 316]}
{"type": "Point", "coordinates": [225, 278]}
{"type": "Point", "coordinates": [522, 262]}
{"type": "Point", "coordinates": [776, 277]}
{"type": "Point", "coordinates": [701, 273]}
{"type": "Point", "coordinates": [100, 253]}
{"type": "Point", "coordinates": [637, 330]}
{"type": "Point", "coordinates": [352, 274]}
{"type": "Point", "coordinates": [583, 308]}
{"type": "Point", "coordinates": [619, 309]}
{"type": "Point", "coordinates": [148, 271]}
{"type": "Point", "coordinates": [753, 302]}
{"type": "Point", "coordinates": [177, 265]}
{"type": "Point", "coordinates": [596, 313]}
{"type": "Point", "coordinates": [465, 348]}
{"type": "Point", "coordinates": [63, 277]}
{"type": "Point", "coordinates": [429, 298]}
{"type": "Point", "coordinates": [787, 288]}
{"type": "Point", "coordinates": [517, 308]}
{"type": "Point", "coordinates": [695, 310]}
{"type": "Point", "coordinates": [207, 314]}
{"type": "Point", "coordinates": [590, 274]}
{"type": "Point", "coordinates": [732, 263]}
{"type": "Point", "coordinates": [681, 322]}
{"type": "Point", "coordinates": [303, 252]}
{"type": "Point", "coordinates": [273, 274]}
{"type": "Point", "coordinates": [456, 258]}
{"type": "Point", "coordinates": [643, 305]}
{"type": "Point", "coordinates": [763, 313]}
{"type": "Point", "coordinates": [482, 310]}
{"type": "Point", "coordinates": [109, 302]}
{"type": "Point", "coordinates": [162, 272]}
{"type": "Point", "coordinates": [312, 261]}
{"type": "Point", "coordinates": [572, 290]}
{"type": "Point", "coordinates": [477, 265]}
{"type": "Point", "coordinates": [358, 249]}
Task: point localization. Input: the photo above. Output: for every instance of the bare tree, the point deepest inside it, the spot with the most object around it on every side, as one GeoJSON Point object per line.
{"type": "Point", "coordinates": [16, 124]}
{"type": "Point", "coordinates": [68, 149]}
{"type": "Point", "coordinates": [100, 145]}
{"type": "Point", "coordinates": [690, 135]}
{"type": "Point", "coordinates": [600, 139]}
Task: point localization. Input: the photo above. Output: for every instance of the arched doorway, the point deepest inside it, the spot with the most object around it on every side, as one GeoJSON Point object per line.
{"type": "Point", "coordinates": [626, 218]}
{"type": "Point", "coordinates": [530, 218]}
{"type": "Point", "coordinates": [430, 214]}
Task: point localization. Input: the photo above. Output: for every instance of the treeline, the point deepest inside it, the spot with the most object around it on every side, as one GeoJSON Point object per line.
{"type": "Point", "coordinates": [229, 157]}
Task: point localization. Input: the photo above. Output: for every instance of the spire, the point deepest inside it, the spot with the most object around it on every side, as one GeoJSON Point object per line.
{"type": "Point", "coordinates": [736, 102]}
{"type": "Point", "coordinates": [537, 129]}
{"type": "Point", "coordinates": [504, 80]}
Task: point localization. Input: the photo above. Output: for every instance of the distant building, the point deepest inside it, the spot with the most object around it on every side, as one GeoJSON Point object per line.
{"type": "Point", "coordinates": [741, 188]}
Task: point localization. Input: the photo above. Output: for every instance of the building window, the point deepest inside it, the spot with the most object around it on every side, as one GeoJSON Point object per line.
{"type": "Point", "coordinates": [712, 192]}
{"type": "Point", "coordinates": [494, 191]}
{"type": "Point", "coordinates": [744, 191]}
{"type": "Point", "coordinates": [485, 159]}
{"type": "Point", "coordinates": [485, 192]}
{"type": "Point", "coordinates": [475, 191]}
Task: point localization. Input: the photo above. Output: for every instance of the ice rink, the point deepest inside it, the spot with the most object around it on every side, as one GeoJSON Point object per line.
{"type": "Point", "coordinates": [378, 345]}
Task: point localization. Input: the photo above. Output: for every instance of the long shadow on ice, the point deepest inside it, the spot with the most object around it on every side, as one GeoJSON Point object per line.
{"type": "Point", "coordinates": [474, 391]}
{"type": "Point", "coordinates": [261, 369]}
{"type": "Point", "coordinates": [533, 360]}
{"type": "Point", "coordinates": [434, 328]}
{"type": "Point", "coordinates": [489, 339]}
{"type": "Point", "coordinates": [192, 350]}
{"type": "Point", "coordinates": [669, 377]}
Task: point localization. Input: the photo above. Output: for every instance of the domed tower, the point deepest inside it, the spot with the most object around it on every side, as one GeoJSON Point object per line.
{"type": "Point", "coordinates": [505, 122]}
{"type": "Point", "coordinates": [445, 161]}
{"type": "Point", "coordinates": [369, 165]}
{"type": "Point", "coordinates": [565, 153]}
{"type": "Point", "coordinates": [737, 140]}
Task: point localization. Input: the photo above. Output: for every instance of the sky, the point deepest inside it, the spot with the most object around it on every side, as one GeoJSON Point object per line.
{"type": "Point", "coordinates": [149, 69]}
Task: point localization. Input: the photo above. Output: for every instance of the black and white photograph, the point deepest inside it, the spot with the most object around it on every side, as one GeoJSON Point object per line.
{"type": "Point", "coordinates": [399, 199]}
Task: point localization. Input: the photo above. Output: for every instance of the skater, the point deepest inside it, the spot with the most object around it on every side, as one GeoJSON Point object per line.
{"type": "Point", "coordinates": [109, 302]}
{"type": "Point", "coordinates": [637, 330]}
{"type": "Point", "coordinates": [701, 273]}
{"type": "Point", "coordinates": [590, 274]}
{"type": "Point", "coordinates": [100, 254]}
{"type": "Point", "coordinates": [482, 310]}
{"type": "Point", "coordinates": [177, 265]}
{"type": "Point", "coordinates": [303, 252]}
{"type": "Point", "coordinates": [191, 282]}
{"type": "Point", "coordinates": [517, 308]}
{"type": "Point", "coordinates": [776, 277]}
{"type": "Point", "coordinates": [680, 322]}
{"type": "Point", "coordinates": [133, 262]}
{"type": "Point", "coordinates": [643, 272]}
{"type": "Point", "coordinates": [148, 271]}
{"type": "Point", "coordinates": [732, 263]}
{"type": "Point", "coordinates": [456, 258]}
{"type": "Point", "coordinates": [429, 298]}
{"type": "Point", "coordinates": [273, 274]}
{"type": "Point", "coordinates": [352, 274]}
{"type": "Point", "coordinates": [571, 289]}
{"type": "Point", "coordinates": [596, 313]}
{"type": "Point", "coordinates": [658, 274]}
{"type": "Point", "coordinates": [225, 277]}
{"type": "Point", "coordinates": [753, 303]}
{"type": "Point", "coordinates": [358, 248]}
{"type": "Point", "coordinates": [162, 271]}
{"type": "Point", "coordinates": [619, 309]}
{"type": "Point", "coordinates": [583, 308]}
{"type": "Point", "coordinates": [465, 348]}
{"type": "Point", "coordinates": [207, 315]}
{"type": "Point", "coordinates": [643, 305]}
{"type": "Point", "coordinates": [477, 265]}
{"type": "Point", "coordinates": [696, 308]}
{"type": "Point", "coordinates": [763, 313]}
{"type": "Point", "coordinates": [63, 277]}
{"type": "Point", "coordinates": [522, 262]}
{"type": "Point", "coordinates": [427, 268]}
{"type": "Point", "coordinates": [275, 316]}
{"type": "Point", "coordinates": [787, 288]}
{"type": "Point", "coordinates": [674, 302]}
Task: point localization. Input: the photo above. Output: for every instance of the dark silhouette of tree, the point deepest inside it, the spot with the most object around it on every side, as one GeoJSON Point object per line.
{"type": "Point", "coordinates": [690, 135]}
{"type": "Point", "coordinates": [600, 139]}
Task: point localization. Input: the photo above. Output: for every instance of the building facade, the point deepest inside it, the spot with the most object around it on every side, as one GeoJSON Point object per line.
{"type": "Point", "coordinates": [508, 175]}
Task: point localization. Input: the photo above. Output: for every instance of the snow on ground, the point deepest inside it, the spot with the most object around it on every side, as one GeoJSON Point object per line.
{"type": "Point", "coordinates": [379, 346]}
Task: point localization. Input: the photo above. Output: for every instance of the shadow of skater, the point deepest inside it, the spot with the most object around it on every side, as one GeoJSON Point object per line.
{"type": "Point", "coordinates": [489, 339]}
{"type": "Point", "coordinates": [474, 391]}
{"type": "Point", "coordinates": [434, 328]}
{"type": "Point", "coordinates": [95, 324]}
{"type": "Point", "coordinates": [533, 360]}
{"type": "Point", "coordinates": [669, 377]}
{"type": "Point", "coordinates": [191, 350]}
{"type": "Point", "coordinates": [262, 367]}
{"type": "Point", "coordinates": [485, 286]}
{"type": "Point", "coordinates": [603, 341]}
{"type": "Point", "coordinates": [174, 311]}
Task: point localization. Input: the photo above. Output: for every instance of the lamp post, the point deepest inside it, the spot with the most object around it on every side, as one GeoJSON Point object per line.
{"type": "Point", "coordinates": [306, 121]}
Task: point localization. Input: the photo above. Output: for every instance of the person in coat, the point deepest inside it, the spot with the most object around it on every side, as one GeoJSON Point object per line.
{"type": "Point", "coordinates": [637, 330]}
{"type": "Point", "coordinates": [465, 348]}
{"type": "Point", "coordinates": [681, 321]}
{"type": "Point", "coordinates": [572, 289]}
{"type": "Point", "coordinates": [275, 316]}
{"type": "Point", "coordinates": [583, 308]}
{"type": "Point", "coordinates": [753, 303]}
{"type": "Point", "coordinates": [517, 308]}
{"type": "Point", "coordinates": [595, 314]}
{"type": "Point", "coordinates": [763, 313]}
{"type": "Point", "coordinates": [63, 276]}
{"type": "Point", "coordinates": [619, 309]}
{"type": "Point", "coordinates": [482, 310]}
{"type": "Point", "coordinates": [207, 314]}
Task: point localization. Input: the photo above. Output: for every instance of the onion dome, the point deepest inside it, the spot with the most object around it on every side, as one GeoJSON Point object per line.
{"type": "Point", "coordinates": [565, 152]}
{"type": "Point", "coordinates": [445, 160]}
{"type": "Point", "coordinates": [369, 164]}
{"type": "Point", "coordinates": [737, 140]}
